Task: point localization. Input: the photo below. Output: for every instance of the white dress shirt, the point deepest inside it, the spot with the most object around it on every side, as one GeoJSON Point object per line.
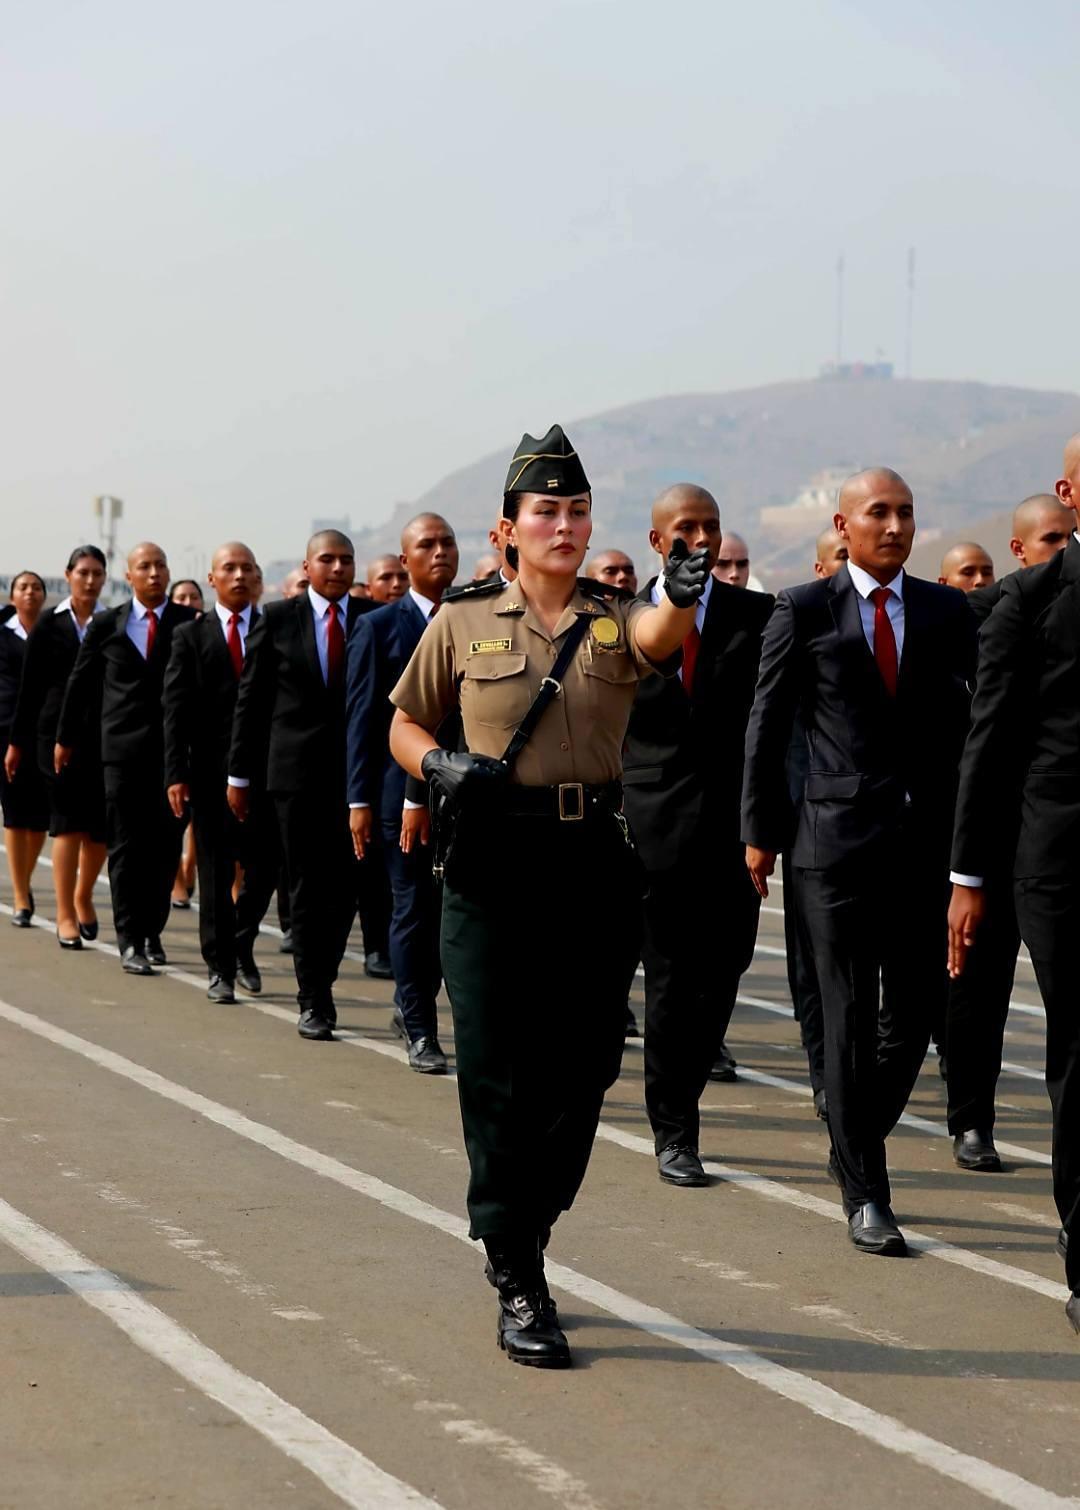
{"type": "Point", "coordinates": [702, 602]}
{"type": "Point", "coordinates": [16, 628]}
{"type": "Point", "coordinates": [320, 607]}
{"type": "Point", "coordinates": [243, 625]}
{"type": "Point", "coordinates": [865, 584]}
{"type": "Point", "coordinates": [427, 608]}
{"type": "Point", "coordinates": [137, 627]}
{"type": "Point", "coordinates": [64, 606]}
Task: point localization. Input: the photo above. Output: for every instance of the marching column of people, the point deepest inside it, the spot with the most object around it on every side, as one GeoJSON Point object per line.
{"type": "Point", "coordinates": [676, 740]}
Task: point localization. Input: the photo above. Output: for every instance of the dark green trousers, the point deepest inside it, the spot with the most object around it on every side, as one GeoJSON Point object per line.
{"type": "Point", "coordinates": [540, 940]}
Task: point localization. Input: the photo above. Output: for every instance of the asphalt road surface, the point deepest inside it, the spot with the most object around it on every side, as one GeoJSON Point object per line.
{"type": "Point", "coordinates": [234, 1272]}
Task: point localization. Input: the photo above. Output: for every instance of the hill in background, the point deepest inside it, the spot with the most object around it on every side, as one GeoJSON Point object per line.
{"type": "Point", "coordinates": [969, 450]}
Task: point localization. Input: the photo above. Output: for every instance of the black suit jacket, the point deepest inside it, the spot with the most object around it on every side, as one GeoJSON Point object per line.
{"type": "Point", "coordinates": [288, 722]}
{"type": "Point", "coordinates": [200, 703]}
{"type": "Point", "coordinates": [683, 756]}
{"type": "Point", "coordinates": [380, 647]}
{"type": "Point", "coordinates": [129, 686]}
{"type": "Point", "coordinates": [983, 600]}
{"type": "Point", "coordinates": [1023, 751]}
{"type": "Point", "coordinates": [872, 758]}
{"type": "Point", "coordinates": [50, 655]}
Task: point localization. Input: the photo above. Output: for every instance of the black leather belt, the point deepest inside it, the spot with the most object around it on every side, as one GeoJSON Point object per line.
{"type": "Point", "coordinates": [570, 802]}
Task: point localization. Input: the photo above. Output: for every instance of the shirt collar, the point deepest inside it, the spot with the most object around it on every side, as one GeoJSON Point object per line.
{"type": "Point", "coordinates": [320, 605]}
{"type": "Point", "coordinates": [141, 611]}
{"type": "Point", "coordinates": [425, 605]}
{"type": "Point", "coordinates": [225, 614]}
{"type": "Point", "coordinates": [865, 584]}
{"type": "Point", "coordinates": [15, 627]}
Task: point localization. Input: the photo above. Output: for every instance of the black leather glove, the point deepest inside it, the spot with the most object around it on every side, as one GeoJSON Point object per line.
{"type": "Point", "coordinates": [685, 574]}
{"type": "Point", "coordinates": [463, 780]}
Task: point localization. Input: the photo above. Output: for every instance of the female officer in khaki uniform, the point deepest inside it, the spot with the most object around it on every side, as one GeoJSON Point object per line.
{"type": "Point", "coordinates": [542, 892]}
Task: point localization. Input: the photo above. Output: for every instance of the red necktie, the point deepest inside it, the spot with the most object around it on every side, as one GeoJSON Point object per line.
{"type": "Point", "coordinates": [151, 632]}
{"type": "Point", "coordinates": [232, 639]}
{"type": "Point", "coordinates": [335, 646]}
{"type": "Point", "coordinates": [690, 647]}
{"type": "Point", "coordinates": [884, 639]}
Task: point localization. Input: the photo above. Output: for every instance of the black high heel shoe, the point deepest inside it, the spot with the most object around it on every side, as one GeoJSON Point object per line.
{"type": "Point", "coordinates": [20, 918]}
{"type": "Point", "coordinates": [89, 931]}
{"type": "Point", "coordinates": [75, 943]}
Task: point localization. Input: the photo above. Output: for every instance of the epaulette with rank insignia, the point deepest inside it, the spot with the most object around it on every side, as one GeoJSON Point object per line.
{"type": "Point", "coordinates": [593, 589]}
{"type": "Point", "coordinates": [483, 587]}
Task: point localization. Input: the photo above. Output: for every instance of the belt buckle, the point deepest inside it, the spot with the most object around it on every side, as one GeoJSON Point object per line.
{"type": "Point", "coordinates": [571, 786]}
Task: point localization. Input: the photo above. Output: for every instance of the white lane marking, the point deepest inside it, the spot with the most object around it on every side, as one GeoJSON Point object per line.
{"type": "Point", "coordinates": [758, 1184]}
{"type": "Point", "coordinates": [849, 1323]}
{"type": "Point", "coordinates": [1039, 1218]}
{"type": "Point", "coordinates": [998, 1484]}
{"type": "Point", "coordinates": [354, 1478]}
{"type": "Point", "coordinates": [545, 1476]}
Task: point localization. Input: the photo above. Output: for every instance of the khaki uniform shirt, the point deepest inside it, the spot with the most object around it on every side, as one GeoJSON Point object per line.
{"type": "Point", "coordinates": [489, 653]}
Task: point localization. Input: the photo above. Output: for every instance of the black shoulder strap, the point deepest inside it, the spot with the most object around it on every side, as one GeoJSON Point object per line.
{"type": "Point", "coordinates": [550, 688]}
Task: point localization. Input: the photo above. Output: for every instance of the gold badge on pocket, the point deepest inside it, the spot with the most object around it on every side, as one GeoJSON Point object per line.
{"type": "Point", "coordinates": [605, 632]}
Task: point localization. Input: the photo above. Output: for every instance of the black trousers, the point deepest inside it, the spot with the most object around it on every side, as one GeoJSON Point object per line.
{"type": "Point", "coordinates": [1049, 914]}
{"type": "Point", "coordinates": [319, 857]}
{"type": "Point", "coordinates": [414, 932]}
{"type": "Point", "coordinates": [144, 850]}
{"type": "Point", "coordinates": [701, 923]}
{"type": "Point", "coordinates": [373, 897]}
{"type": "Point", "coordinates": [977, 1008]}
{"type": "Point", "coordinates": [878, 924]}
{"type": "Point", "coordinates": [559, 946]}
{"type": "Point", "coordinates": [802, 976]}
{"type": "Point", "coordinates": [227, 927]}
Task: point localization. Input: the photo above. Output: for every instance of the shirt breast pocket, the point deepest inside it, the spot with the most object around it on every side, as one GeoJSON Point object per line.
{"type": "Point", "coordinates": [495, 689]}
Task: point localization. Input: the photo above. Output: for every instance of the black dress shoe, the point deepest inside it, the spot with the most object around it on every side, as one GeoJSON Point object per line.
{"type": "Point", "coordinates": [378, 966]}
{"type": "Point", "coordinates": [1062, 1243]}
{"type": "Point", "coordinates": [135, 963]}
{"type": "Point", "coordinates": [286, 945]}
{"type": "Point", "coordinates": [75, 943]}
{"type": "Point", "coordinates": [427, 1057]}
{"type": "Point", "coordinates": [221, 991]}
{"type": "Point", "coordinates": [311, 1025]}
{"type": "Point", "coordinates": [21, 917]}
{"type": "Point", "coordinates": [89, 931]}
{"type": "Point", "coordinates": [724, 1067]}
{"type": "Point", "coordinates": [155, 953]}
{"type": "Point", "coordinates": [247, 974]}
{"type": "Point", "coordinates": [873, 1229]}
{"type": "Point", "coordinates": [821, 1108]}
{"type": "Point", "coordinates": [1072, 1311]}
{"type": "Point", "coordinates": [679, 1165]}
{"type": "Point", "coordinates": [975, 1149]}
{"type": "Point", "coordinates": [529, 1331]}
{"type": "Point", "coordinates": [397, 1025]}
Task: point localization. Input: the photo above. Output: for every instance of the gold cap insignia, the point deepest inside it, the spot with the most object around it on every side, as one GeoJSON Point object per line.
{"type": "Point", "coordinates": [605, 631]}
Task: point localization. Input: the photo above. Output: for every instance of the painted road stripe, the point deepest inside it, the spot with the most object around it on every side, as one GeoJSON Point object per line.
{"type": "Point", "coordinates": [354, 1478]}
{"type": "Point", "coordinates": [995, 1483]}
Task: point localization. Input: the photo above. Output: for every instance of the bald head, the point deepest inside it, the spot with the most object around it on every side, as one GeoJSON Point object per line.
{"type": "Point", "coordinates": [330, 564]}
{"type": "Point", "coordinates": [294, 583]}
{"type": "Point", "coordinates": [328, 539]}
{"type": "Point", "coordinates": [422, 524]}
{"type": "Point", "coordinates": [1041, 526]}
{"type": "Point", "coordinates": [830, 553]}
{"type": "Point", "coordinates": [615, 567]}
{"type": "Point", "coordinates": [429, 552]}
{"type": "Point", "coordinates": [233, 575]}
{"type": "Point", "coordinates": [688, 513]}
{"type": "Point", "coordinates": [148, 573]}
{"type": "Point", "coordinates": [966, 566]}
{"type": "Point", "coordinates": [733, 562]}
{"type": "Point", "coordinates": [875, 518]}
{"type": "Point", "coordinates": [387, 579]}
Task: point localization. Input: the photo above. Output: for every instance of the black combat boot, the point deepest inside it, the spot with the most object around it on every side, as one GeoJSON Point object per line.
{"type": "Point", "coordinates": [528, 1321]}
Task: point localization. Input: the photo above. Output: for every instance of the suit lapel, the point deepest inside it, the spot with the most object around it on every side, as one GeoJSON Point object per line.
{"type": "Point", "coordinates": [213, 639]}
{"type": "Point", "coordinates": [412, 626]}
{"type": "Point", "coordinates": [916, 629]}
{"type": "Point", "coordinates": [305, 617]}
{"type": "Point", "coordinates": [844, 607]}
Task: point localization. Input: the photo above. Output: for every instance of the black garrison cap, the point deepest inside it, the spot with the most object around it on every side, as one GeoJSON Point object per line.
{"type": "Point", "coordinates": [550, 465]}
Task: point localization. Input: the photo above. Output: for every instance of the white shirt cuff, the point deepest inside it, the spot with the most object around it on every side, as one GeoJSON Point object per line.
{"type": "Point", "coordinates": [412, 807]}
{"type": "Point", "coordinates": [358, 804]}
{"type": "Point", "coordinates": [958, 880]}
{"type": "Point", "coordinates": [239, 781]}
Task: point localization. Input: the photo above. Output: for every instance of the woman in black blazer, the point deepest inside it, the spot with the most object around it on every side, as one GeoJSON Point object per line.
{"type": "Point", "coordinates": [77, 795]}
{"type": "Point", "coordinates": [23, 799]}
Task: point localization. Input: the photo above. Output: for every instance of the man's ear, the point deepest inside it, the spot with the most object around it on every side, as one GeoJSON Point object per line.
{"type": "Point", "coordinates": [839, 524]}
{"type": "Point", "coordinates": [654, 541]}
{"type": "Point", "coordinates": [1017, 548]}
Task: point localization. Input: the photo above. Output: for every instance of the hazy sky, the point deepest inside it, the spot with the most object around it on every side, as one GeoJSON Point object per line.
{"type": "Point", "coordinates": [266, 260]}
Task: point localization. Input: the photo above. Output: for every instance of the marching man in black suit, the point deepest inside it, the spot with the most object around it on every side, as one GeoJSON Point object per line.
{"type": "Point", "coordinates": [1020, 765]}
{"type": "Point", "coordinates": [200, 701]}
{"type": "Point", "coordinates": [122, 660]}
{"type": "Point", "coordinates": [877, 663]}
{"type": "Point", "coordinates": [290, 722]}
{"type": "Point", "coordinates": [682, 778]}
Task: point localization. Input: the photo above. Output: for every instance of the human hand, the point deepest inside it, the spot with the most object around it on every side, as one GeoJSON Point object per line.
{"type": "Point", "coordinates": [360, 825]}
{"type": "Point", "coordinates": [179, 795]}
{"type": "Point", "coordinates": [415, 828]}
{"type": "Point", "coordinates": [966, 911]}
{"type": "Point", "coordinates": [237, 798]}
{"type": "Point", "coordinates": [760, 863]}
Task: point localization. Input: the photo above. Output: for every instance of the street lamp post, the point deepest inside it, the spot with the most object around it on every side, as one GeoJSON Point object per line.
{"type": "Point", "coordinates": [107, 510]}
